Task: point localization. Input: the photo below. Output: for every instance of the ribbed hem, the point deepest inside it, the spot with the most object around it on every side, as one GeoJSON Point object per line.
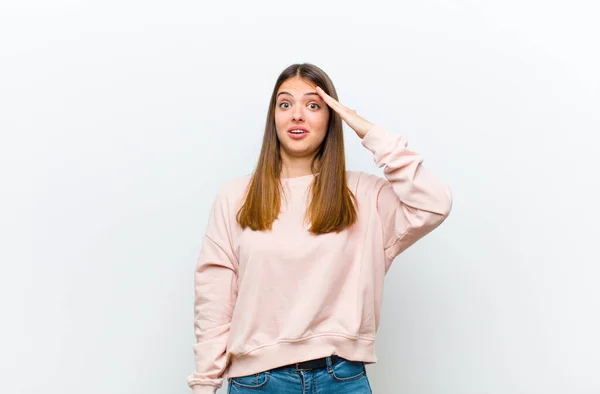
{"type": "Point", "coordinates": [283, 353]}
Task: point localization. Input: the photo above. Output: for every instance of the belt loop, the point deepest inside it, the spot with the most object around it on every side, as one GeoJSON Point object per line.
{"type": "Point", "coordinates": [329, 364]}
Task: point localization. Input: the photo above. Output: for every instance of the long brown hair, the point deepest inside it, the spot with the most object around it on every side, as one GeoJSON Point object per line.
{"type": "Point", "coordinates": [331, 207]}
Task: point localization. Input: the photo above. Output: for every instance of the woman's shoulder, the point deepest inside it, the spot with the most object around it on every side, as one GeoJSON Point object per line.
{"type": "Point", "coordinates": [234, 188]}
{"type": "Point", "coordinates": [363, 182]}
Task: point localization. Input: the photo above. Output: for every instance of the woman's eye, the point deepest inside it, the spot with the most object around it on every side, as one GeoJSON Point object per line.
{"type": "Point", "coordinates": [285, 102]}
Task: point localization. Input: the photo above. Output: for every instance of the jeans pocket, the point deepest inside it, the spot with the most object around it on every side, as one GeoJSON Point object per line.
{"type": "Point", "coordinates": [346, 370]}
{"type": "Point", "coordinates": [254, 381]}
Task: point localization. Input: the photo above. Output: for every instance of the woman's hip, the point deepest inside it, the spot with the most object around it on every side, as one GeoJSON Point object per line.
{"type": "Point", "coordinates": [329, 377]}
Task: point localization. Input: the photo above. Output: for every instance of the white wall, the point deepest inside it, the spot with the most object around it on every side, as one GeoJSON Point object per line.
{"type": "Point", "coordinates": [120, 119]}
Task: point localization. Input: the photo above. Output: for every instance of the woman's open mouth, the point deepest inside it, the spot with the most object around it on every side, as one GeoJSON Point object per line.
{"type": "Point", "coordinates": [297, 134]}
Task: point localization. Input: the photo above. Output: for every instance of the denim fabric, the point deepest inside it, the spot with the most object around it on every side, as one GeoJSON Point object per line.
{"type": "Point", "coordinates": [343, 377]}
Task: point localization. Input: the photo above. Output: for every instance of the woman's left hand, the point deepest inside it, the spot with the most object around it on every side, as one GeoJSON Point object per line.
{"type": "Point", "coordinates": [359, 124]}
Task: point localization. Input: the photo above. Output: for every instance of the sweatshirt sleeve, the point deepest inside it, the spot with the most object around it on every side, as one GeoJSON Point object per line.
{"type": "Point", "coordinates": [411, 202]}
{"type": "Point", "coordinates": [215, 288]}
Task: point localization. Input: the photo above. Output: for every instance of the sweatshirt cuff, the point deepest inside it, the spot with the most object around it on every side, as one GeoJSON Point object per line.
{"type": "Point", "coordinates": [204, 389]}
{"type": "Point", "coordinates": [378, 139]}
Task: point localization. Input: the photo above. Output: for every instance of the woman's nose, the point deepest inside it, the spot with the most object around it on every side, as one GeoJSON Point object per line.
{"type": "Point", "coordinates": [297, 114]}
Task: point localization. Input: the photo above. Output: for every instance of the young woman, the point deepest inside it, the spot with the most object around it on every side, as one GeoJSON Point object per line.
{"type": "Point", "coordinates": [289, 280]}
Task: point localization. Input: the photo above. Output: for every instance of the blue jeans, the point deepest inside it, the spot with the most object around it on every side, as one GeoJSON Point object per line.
{"type": "Point", "coordinates": [343, 377]}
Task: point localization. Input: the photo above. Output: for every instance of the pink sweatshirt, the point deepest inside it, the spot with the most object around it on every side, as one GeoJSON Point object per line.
{"type": "Point", "coordinates": [266, 299]}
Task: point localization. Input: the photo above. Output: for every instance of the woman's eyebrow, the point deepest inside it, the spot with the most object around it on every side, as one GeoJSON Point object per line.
{"type": "Point", "coordinates": [306, 94]}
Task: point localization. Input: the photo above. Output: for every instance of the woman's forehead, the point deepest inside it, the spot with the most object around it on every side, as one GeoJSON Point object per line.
{"type": "Point", "coordinates": [297, 84]}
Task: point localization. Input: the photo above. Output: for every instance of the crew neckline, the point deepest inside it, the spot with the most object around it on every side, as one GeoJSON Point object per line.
{"type": "Point", "coordinates": [301, 181]}
{"type": "Point", "coordinates": [300, 177]}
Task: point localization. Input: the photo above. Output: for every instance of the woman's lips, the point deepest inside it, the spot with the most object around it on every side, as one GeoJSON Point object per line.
{"type": "Point", "coordinates": [297, 136]}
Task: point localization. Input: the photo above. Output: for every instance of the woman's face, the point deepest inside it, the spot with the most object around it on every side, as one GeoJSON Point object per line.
{"type": "Point", "coordinates": [299, 105]}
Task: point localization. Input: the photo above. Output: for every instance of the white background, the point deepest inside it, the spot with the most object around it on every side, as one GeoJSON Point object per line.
{"type": "Point", "coordinates": [120, 120]}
